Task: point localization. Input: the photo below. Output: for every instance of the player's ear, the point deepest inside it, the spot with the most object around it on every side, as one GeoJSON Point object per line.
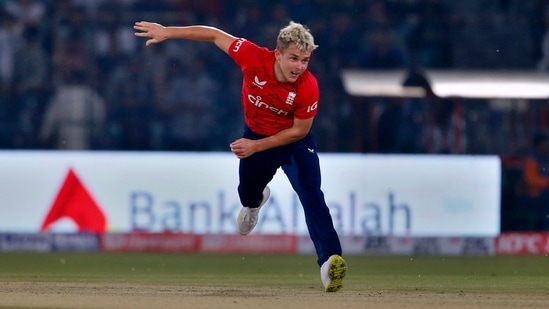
{"type": "Point", "coordinates": [277, 54]}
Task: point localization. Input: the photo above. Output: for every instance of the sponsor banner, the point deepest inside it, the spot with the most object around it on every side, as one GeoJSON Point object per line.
{"type": "Point", "coordinates": [150, 242]}
{"type": "Point", "coordinates": [305, 245]}
{"type": "Point", "coordinates": [394, 245]}
{"type": "Point", "coordinates": [349, 244]}
{"type": "Point", "coordinates": [195, 193]}
{"type": "Point", "coordinates": [441, 245]}
{"type": "Point", "coordinates": [34, 242]}
{"type": "Point", "coordinates": [522, 244]}
{"type": "Point", "coordinates": [515, 243]}
{"type": "Point", "coordinates": [447, 246]}
{"type": "Point", "coordinates": [46, 242]}
{"type": "Point", "coordinates": [249, 244]}
{"type": "Point", "coordinates": [74, 242]}
{"type": "Point", "coordinates": [478, 246]}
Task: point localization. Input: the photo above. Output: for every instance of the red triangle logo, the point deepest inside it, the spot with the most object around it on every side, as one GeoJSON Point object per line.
{"type": "Point", "coordinates": [75, 202]}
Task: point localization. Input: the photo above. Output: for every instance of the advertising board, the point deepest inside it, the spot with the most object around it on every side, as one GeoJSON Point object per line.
{"type": "Point", "coordinates": [195, 193]}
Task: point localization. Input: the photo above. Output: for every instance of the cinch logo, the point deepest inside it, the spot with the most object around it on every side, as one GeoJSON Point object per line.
{"type": "Point", "coordinates": [257, 102]}
{"type": "Point", "coordinates": [258, 83]}
{"type": "Point", "coordinates": [75, 202]}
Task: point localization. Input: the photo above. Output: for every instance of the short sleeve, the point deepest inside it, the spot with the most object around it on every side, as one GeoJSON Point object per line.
{"type": "Point", "coordinates": [307, 98]}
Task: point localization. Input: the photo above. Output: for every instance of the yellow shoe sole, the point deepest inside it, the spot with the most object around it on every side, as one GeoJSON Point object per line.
{"type": "Point", "coordinates": [337, 271]}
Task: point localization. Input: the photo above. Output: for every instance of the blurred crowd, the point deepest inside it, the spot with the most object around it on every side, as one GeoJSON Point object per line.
{"type": "Point", "coordinates": [74, 76]}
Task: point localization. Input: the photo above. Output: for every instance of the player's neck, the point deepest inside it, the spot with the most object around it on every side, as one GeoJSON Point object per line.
{"type": "Point", "coordinates": [278, 73]}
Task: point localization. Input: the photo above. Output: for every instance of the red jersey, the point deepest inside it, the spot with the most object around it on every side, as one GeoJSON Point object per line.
{"type": "Point", "coordinates": [269, 105]}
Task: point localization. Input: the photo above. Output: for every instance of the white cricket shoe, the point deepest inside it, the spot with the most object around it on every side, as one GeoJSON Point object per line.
{"type": "Point", "coordinates": [332, 273]}
{"type": "Point", "coordinates": [247, 217]}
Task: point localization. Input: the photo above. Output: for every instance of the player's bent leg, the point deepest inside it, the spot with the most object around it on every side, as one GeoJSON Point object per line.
{"type": "Point", "coordinates": [248, 217]}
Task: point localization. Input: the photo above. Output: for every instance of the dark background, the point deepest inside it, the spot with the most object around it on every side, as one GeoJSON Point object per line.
{"type": "Point", "coordinates": [181, 95]}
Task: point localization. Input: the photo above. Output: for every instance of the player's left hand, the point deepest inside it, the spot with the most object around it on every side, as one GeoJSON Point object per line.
{"type": "Point", "coordinates": [243, 147]}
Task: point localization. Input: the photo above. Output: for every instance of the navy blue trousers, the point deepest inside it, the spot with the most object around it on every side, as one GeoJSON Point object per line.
{"type": "Point", "coordinates": [300, 163]}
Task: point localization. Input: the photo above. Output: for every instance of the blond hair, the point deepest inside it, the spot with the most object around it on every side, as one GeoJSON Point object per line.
{"type": "Point", "coordinates": [295, 33]}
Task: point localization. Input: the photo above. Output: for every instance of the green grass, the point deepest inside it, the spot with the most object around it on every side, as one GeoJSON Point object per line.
{"type": "Point", "coordinates": [516, 275]}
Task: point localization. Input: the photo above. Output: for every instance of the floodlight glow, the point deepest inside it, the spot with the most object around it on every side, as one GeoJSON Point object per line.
{"type": "Point", "coordinates": [466, 84]}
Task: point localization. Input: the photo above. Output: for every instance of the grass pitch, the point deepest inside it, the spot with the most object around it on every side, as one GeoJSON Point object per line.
{"type": "Point", "coordinates": [416, 278]}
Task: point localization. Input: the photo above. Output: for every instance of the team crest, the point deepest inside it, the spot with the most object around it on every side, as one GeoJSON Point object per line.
{"type": "Point", "coordinates": [290, 98]}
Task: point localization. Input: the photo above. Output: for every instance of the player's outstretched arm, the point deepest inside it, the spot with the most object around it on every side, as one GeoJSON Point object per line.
{"type": "Point", "coordinates": [158, 33]}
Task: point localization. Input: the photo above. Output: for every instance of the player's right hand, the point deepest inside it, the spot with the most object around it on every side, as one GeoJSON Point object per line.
{"type": "Point", "coordinates": [154, 31]}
